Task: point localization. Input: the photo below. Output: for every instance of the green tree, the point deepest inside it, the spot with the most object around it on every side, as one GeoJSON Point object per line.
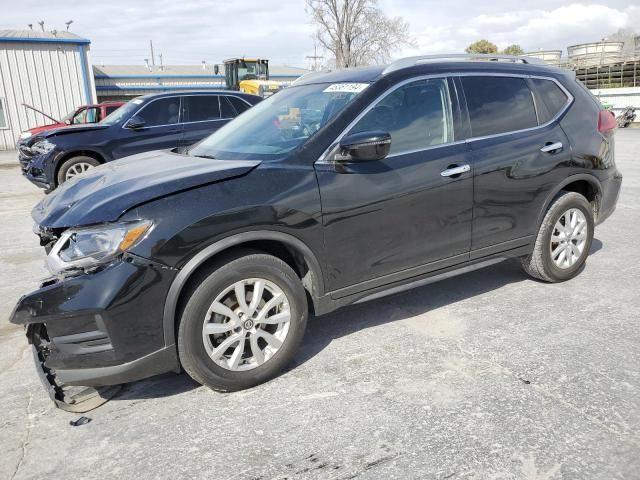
{"type": "Point", "coordinates": [514, 49]}
{"type": "Point", "coordinates": [482, 46]}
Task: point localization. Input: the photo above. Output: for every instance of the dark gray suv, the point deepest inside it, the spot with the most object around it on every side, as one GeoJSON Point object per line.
{"type": "Point", "coordinates": [150, 122]}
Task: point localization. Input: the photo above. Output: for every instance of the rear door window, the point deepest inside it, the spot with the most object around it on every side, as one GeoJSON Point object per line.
{"type": "Point", "coordinates": [201, 108]}
{"type": "Point", "coordinates": [498, 104]}
{"type": "Point", "coordinates": [550, 98]}
{"type": "Point", "coordinates": [239, 105]}
{"type": "Point", "coordinates": [164, 111]}
{"type": "Point", "coordinates": [226, 109]}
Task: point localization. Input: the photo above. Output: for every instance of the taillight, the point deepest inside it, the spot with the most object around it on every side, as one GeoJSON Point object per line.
{"type": "Point", "coordinates": [606, 121]}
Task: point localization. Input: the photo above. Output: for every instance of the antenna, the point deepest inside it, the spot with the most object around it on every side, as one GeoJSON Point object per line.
{"type": "Point", "coordinates": [153, 58]}
{"type": "Point", "coordinates": [315, 57]}
{"type": "Point", "coordinates": [41, 23]}
{"type": "Point", "coordinates": [68, 24]}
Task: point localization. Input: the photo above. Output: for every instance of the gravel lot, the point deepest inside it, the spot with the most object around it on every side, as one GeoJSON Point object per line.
{"type": "Point", "coordinates": [488, 375]}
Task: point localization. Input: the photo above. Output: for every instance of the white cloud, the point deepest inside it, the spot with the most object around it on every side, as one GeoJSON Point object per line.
{"type": "Point", "coordinates": [193, 30]}
{"type": "Point", "coordinates": [533, 29]}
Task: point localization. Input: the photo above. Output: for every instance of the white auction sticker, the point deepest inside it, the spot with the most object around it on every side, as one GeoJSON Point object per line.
{"type": "Point", "coordinates": [346, 87]}
{"type": "Point", "coordinates": [136, 101]}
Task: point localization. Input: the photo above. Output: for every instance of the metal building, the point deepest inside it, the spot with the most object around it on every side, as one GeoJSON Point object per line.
{"type": "Point", "coordinates": [122, 82]}
{"type": "Point", "coordinates": [47, 70]}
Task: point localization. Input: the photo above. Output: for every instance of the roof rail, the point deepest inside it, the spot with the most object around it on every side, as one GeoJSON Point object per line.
{"type": "Point", "coordinates": [458, 57]}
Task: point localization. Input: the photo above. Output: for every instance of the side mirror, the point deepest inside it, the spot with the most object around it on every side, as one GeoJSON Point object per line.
{"type": "Point", "coordinates": [364, 146]}
{"type": "Point", "coordinates": [135, 123]}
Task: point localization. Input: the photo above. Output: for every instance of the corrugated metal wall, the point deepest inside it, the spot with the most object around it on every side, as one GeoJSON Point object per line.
{"type": "Point", "coordinates": [619, 98]}
{"type": "Point", "coordinates": [49, 76]}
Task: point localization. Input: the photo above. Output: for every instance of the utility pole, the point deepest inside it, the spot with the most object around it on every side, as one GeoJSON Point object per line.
{"type": "Point", "coordinates": [161, 65]}
{"type": "Point", "coordinates": [153, 58]}
{"type": "Point", "coordinates": [315, 57]}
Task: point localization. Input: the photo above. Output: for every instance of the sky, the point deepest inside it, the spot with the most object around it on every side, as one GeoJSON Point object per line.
{"type": "Point", "coordinates": [189, 31]}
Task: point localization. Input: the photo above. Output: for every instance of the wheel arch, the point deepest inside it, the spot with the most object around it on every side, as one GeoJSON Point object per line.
{"type": "Point", "coordinates": [587, 185]}
{"type": "Point", "coordinates": [87, 153]}
{"type": "Point", "coordinates": [277, 243]}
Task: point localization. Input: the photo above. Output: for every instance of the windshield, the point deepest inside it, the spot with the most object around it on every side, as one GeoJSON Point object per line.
{"type": "Point", "coordinates": [67, 118]}
{"type": "Point", "coordinates": [280, 123]}
{"type": "Point", "coordinates": [122, 113]}
{"type": "Point", "coordinates": [251, 71]}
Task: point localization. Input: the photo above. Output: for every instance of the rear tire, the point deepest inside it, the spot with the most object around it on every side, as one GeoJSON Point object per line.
{"type": "Point", "coordinates": [564, 240]}
{"type": "Point", "coordinates": [249, 343]}
{"type": "Point", "coordinates": [75, 166]}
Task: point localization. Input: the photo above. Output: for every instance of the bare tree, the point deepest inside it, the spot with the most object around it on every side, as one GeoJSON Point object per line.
{"type": "Point", "coordinates": [357, 32]}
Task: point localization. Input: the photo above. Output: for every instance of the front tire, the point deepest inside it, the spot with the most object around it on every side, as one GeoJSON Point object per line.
{"type": "Point", "coordinates": [564, 240]}
{"type": "Point", "coordinates": [242, 323]}
{"type": "Point", "coordinates": [75, 166]}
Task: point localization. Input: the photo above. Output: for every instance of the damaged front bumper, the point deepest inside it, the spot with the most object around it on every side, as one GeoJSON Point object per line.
{"type": "Point", "coordinates": [66, 397]}
{"type": "Point", "coordinates": [36, 168]}
{"type": "Point", "coordinates": [98, 329]}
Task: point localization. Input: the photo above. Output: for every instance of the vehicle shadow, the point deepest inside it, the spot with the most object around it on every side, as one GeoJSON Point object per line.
{"type": "Point", "coordinates": [321, 331]}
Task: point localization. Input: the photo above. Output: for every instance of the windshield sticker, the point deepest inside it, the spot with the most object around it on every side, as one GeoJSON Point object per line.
{"type": "Point", "coordinates": [346, 87]}
{"type": "Point", "coordinates": [136, 101]}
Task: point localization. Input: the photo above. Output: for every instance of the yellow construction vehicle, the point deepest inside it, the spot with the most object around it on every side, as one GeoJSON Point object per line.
{"type": "Point", "coordinates": [250, 75]}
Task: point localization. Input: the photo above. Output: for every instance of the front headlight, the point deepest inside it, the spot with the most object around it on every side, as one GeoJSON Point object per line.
{"type": "Point", "coordinates": [88, 247]}
{"type": "Point", "coordinates": [43, 146]}
{"type": "Point", "coordinates": [25, 135]}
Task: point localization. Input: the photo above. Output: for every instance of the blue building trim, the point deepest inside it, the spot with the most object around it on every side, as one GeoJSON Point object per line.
{"type": "Point", "coordinates": [155, 77]}
{"type": "Point", "coordinates": [158, 77]}
{"type": "Point", "coordinates": [103, 88]}
{"type": "Point", "coordinates": [88, 98]}
{"type": "Point", "coordinates": [75, 41]}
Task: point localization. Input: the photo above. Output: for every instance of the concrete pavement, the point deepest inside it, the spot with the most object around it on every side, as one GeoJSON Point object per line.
{"type": "Point", "coordinates": [490, 375]}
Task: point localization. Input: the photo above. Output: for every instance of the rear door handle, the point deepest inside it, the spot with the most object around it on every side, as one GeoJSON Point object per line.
{"type": "Point", "coordinates": [450, 172]}
{"type": "Point", "coordinates": [551, 147]}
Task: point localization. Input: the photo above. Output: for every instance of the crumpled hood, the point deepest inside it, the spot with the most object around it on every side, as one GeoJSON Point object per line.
{"type": "Point", "coordinates": [104, 193]}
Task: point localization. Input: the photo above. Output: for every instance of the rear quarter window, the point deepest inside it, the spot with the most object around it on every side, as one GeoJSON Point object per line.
{"type": "Point", "coordinates": [498, 104]}
{"type": "Point", "coordinates": [550, 98]}
{"type": "Point", "coordinates": [239, 105]}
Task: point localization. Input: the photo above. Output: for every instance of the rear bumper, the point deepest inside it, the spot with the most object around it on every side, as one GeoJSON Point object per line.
{"type": "Point", "coordinates": [610, 194]}
{"type": "Point", "coordinates": [101, 328]}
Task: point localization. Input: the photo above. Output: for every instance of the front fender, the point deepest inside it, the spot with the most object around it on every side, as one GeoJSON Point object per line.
{"type": "Point", "coordinates": [171, 302]}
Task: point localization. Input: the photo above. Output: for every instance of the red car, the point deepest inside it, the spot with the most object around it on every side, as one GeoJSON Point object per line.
{"type": "Point", "coordinates": [84, 114]}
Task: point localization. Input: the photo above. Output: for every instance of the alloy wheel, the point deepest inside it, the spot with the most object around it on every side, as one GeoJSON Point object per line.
{"type": "Point", "coordinates": [77, 169]}
{"type": "Point", "coordinates": [246, 324]}
{"type": "Point", "coordinates": [569, 238]}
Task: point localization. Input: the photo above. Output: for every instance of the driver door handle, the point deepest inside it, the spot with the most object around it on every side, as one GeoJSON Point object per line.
{"type": "Point", "coordinates": [457, 170]}
{"type": "Point", "coordinates": [552, 147]}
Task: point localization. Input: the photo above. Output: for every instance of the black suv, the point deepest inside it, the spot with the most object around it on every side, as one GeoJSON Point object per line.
{"type": "Point", "coordinates": [149, 122]}
{"type": "Point", "coordinates": [347, 186]}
